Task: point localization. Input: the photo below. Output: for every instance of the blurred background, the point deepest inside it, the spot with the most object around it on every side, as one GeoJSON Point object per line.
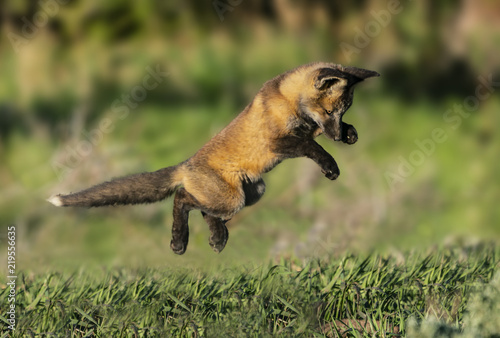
{"type": "Point", "coordinates": [92, 90]}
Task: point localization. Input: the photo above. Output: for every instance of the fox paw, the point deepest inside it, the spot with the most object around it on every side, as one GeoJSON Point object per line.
{"type": "Point", "coordinates": [349, 135]}
{"type": "Point", "coordinates": [179, 245]}
{"type": "Point", "coordinates": [331, 171]}
{"type": "Point", "coordinates": [178, 248]}
{"type": "Point", "coordinates": [218, 239]}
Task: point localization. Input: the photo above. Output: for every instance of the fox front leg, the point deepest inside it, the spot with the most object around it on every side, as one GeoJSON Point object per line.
{"type": "Point", "coordinates": [349, 133]}
{"type": "Point", "coordinates": [292, 146]}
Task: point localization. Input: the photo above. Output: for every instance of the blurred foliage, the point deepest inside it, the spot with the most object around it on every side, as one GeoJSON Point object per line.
{"type": "Point", "coordinates": [67, 65]}
{"type": "Point", "coordinates": [481, 319]}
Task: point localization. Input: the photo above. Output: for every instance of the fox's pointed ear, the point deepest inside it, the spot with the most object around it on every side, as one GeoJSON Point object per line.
{"type": "Point", "coordinates": [326, 78]}
{"type": "Point", "coordinates": [360, 73]}
{"type": "Point", "coordinates": [326, 82]}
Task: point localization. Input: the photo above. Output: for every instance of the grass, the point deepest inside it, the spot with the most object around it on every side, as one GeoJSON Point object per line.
{"type": "Point", "coordinates": [344, 296]}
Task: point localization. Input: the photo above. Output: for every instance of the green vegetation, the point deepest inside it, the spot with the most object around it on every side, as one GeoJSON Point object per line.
{"type": "Point", "coordinates": [352, 295]}
{"type": "Point", "coordinates": [60, 86]}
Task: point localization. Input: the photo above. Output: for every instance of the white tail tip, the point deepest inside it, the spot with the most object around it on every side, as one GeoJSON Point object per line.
{"type": "Point", "coordinates": [56, 200]}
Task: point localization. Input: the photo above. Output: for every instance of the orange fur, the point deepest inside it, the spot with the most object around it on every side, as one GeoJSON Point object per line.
{"type": "Point", "coordinates": [243, 149]}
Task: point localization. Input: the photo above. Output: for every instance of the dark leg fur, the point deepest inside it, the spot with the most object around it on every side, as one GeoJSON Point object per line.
{"type": "Point", "coordinates": [218, 232]}
{"type": "Point", "coordinates": [292, 146]}
{"type": "Point", "coordinates": [184, 202]}
{"type": "Point", "coordinates": [253, 191]}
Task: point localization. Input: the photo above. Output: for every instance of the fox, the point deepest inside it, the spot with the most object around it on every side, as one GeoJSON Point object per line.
{"type": "Point", "coordinates": [225, 175]}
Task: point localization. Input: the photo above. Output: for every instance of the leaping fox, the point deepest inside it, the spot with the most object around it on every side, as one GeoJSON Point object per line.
{"type": "Point", "coordinates": [225, 175]}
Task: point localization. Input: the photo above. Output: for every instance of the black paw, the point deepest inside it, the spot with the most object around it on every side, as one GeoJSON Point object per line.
{"type": "Point", "coordinates": [218, 238]}
{"type": "Point", "coordinates": [178, 244]}
{"type": "Point", "coordinates": [331, 170]}
{"type": "Point", "coordinates": [178, 247]}
{"type": "Point", "coordinates": [349, 134]}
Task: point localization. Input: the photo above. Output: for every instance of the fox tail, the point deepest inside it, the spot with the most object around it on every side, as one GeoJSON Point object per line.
{"type": "Point", "coordinates": [140, 188]}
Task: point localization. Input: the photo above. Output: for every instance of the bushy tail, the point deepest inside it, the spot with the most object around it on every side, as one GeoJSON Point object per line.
{"type": "Point", "coordinates": [134, 189]}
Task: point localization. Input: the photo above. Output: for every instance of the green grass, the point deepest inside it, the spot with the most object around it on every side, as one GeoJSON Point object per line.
{"type": "Point", "coordinates": [351, 295]}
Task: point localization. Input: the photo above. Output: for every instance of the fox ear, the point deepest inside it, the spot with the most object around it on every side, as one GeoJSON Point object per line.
{"type": "Point", "coordinates": [360, 73]}
{"type": "Point", "coordinates": [322, 83]}
{"type": "Point", "coordinates": [326, 78]}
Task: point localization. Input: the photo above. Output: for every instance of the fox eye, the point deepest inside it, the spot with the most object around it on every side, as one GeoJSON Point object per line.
{"type": "Point", "coordinates": [328, 112]}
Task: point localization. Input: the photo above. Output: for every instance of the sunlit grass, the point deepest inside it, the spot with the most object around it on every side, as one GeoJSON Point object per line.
{"type": "Point", "coordinates": [353, 295]}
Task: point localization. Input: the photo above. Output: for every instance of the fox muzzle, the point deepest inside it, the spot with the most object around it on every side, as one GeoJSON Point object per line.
{"type": "Point", "coordinates": [333, 128]}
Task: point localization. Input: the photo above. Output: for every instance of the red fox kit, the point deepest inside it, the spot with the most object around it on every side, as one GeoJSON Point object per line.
{"type": "Point", "coordinates": [225, 175]}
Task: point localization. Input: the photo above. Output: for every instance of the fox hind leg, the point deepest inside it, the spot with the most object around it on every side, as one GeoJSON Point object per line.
{"type": "Point", "coordinates": [218, 232]}
{"type": "Point", "coordinates": [217, 199]}
{"type": "Point", "coordinates": [183, 203]}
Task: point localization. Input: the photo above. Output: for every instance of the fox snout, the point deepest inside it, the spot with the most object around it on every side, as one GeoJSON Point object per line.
{"type": "Point", "coordinates": [333, 128]}
{"type": "Point", "coordinates": [337, 130]}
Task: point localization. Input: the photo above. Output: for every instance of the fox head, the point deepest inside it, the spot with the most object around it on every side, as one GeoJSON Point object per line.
{"type": "Point", "coordinates": [331, 95]}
